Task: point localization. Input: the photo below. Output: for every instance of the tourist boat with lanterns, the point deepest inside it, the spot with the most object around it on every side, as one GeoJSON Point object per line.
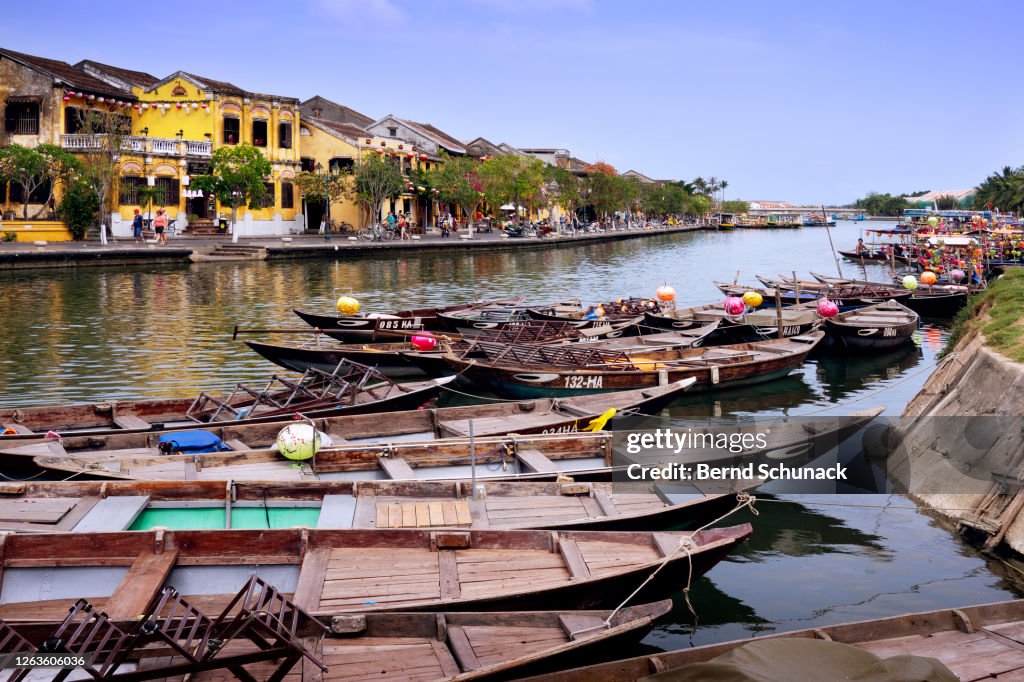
{"type": "Point", "coordinates": [622, 409]}
{"type": "Point", "coordinates": [933, 300]}
{"type": "Point", "coordinates": [562, 371]}
{"type": "Point", "coordinates": [873, 328]}
{"type": "Point", "coordinates": [351, 388]}
{"type": "Point", "coordinates": [745, 326]}
{"type": "Point", "coordinates": [419, 355]}
{"type": "Point", "coordinates": [349, 326]}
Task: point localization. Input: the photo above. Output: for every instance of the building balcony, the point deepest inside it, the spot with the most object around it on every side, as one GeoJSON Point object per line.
{"type": "Point", "coordinates": [154, 146]}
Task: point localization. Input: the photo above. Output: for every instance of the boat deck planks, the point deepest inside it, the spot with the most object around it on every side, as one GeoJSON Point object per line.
{"type": "Point", "coordinates": [36, 510]}
{"type": "Point", "coordinates": [422, 514]}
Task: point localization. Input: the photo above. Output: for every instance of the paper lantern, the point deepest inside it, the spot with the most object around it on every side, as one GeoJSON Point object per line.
{"type": "Point", "coordinates": [137, 107]}
{"type": "Point", "coordinates": [67, 98]}
{"type": "Point", "coordinates": [79, 94]}
{"type": "Point", "coordinates": [92, 98]}
{"type": "Point", "coordinates": [298, 441]}
{"type": "Point", "coordinates": [753, 299]}
{"type": "Point", "coordinates": [734, 305]}
{"type": "Point", "coordinates": [424, 343]}
{"type": "Point", "coordinates": [178, 104]}
{"type": "Point", "coordinates": [99, 99]}
{"type": "Point", "coordinates": [928, 277]}
{"type": "Point", "coordinates": [910, 282]}
{"type": "Point", "coordinates": [195, 105]}
{"type": "Point", "coordinates": [957, 275]}
{"type": "Point", "coordinates": [145, 106]}
{"type": "Point", "coordinates": [827, 308]}
{"type": "Point", "coordinates": [666, 293]}
{"type": "Point", "coordinates": [348, 305]}
{"type": "Point", "coordinates": [423, 157]}
{"type": "Point", "coordinates": [933, 221]}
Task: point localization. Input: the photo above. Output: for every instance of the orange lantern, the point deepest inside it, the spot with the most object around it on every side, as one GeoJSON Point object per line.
{"type": "Point", "coordinates": [928, 277]}
{"type": "Point", "coordinates": [666, 293]}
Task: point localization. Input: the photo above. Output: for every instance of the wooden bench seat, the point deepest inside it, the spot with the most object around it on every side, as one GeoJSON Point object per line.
{"type": "Point", "coordinates": [536, 461]}
{"type": "Point", "coordinates": [131, 422]}
{"type": "Point", "coordinates": [396, 468]}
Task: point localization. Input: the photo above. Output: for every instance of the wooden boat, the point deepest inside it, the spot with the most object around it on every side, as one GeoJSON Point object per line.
{"type": "Point", "coordinates": [350, 389]}
{"type": "Point", "coordinates": [621, 309]}
{"type": "Point", "coordinates": [513, 457]}
{"type": "Point", "coordinates": [541, 416]}
{"type": "Point", "coordinates": [974, 642]}
{"type": "Point", "coordinates": [95, 506]}
{"type": "Point", "coordinates": [402, 359]}
{"type": "Point", "coordinates": [393, 326]}
{"type": "Point", "coordinates": [472, 323]}
{"type": "Point", "coordinates": [872, 256]}
{"type": "Point", "coordinates": [431, 645]}
{"type": "Point", "coordinates": [937, 300]}
{"type": "Point", "coordinates": [582, 456]}
{"type": "Point", "coordinates": [530, 372]}
{"type": "Point", "coordinates": [753, 326]}
{"type": "Point", "coordinates": [333, 572]}
{"type": "Point", "coordinates": [875, 327]}
{"type": "Point", "coordinates": [847, 296]}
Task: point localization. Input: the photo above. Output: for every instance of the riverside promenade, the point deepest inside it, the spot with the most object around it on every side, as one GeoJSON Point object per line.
{"type": "Point", "coordinates": [180, 249]}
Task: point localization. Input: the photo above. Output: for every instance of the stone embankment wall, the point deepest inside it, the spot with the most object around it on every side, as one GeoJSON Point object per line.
{"type": "Point", "coordinates": [961, 446]}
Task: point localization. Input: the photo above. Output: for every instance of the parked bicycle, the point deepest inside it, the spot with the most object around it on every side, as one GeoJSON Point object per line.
{"type": "Point", "coordinates": [377, 233]}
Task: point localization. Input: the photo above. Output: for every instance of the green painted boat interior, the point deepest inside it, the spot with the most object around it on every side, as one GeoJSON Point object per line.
{"type": "Point", "coordinates": [200, 518]}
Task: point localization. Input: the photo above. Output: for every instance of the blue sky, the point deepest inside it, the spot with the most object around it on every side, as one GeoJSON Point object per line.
{"type": "Point", "coordinates": [800, 101]}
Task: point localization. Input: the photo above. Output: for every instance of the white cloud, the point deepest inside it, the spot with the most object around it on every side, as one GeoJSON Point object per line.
{"type": "Point", "coordinates": [362, 10]}
{"type": "Point", "coordinates": [532, 6]}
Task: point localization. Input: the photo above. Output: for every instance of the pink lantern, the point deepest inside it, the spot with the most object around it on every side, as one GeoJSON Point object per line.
{"type": "Point", "coordinates": [827, 308]}
{"type": "Point", "coordinates": [424, 343]}
{"type": "Point", "coordinates": [734, 305]}
{"type": "Point", "coordinates": [66, 98]}
{"type": "Point", "coordinates": [957, 275]}
{"type": "Point", "coordinates": [178, 104]}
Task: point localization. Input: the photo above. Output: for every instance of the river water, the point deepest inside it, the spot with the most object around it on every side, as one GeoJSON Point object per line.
{"type": "Point", "coordinates": [153, 331]}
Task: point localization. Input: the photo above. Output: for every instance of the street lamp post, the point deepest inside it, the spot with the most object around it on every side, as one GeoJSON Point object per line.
{"type": "Point", "coordinates": [327, 202]}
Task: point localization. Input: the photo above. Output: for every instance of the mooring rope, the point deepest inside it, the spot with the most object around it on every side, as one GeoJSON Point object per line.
{"type": "Point", "coordinates": [744, 500]}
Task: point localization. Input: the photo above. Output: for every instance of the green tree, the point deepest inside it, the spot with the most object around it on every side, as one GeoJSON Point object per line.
{"type": "Point", "coordinates": [1003, 190]}
{"type": "Point", "coordinates": [947, 202]}
{"type": "Point", "coordinates": [34, 167]}
{"type": "Point", "coordinates": [457, 181]}
{"type": "Point", "coordinates": [236, 178]}
{"type": "Point", "coordinates": [735, 206]}
{"type": "Point", "coordinates": [376, 180]}
{"type": "Point", "coordinates": [78, 207]}
{"type": "Point", "coordinates": [512, 179]}
{"type": "Point", "coordinates": [609, 191]}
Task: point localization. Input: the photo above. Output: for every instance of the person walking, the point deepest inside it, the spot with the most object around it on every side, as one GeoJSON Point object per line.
{"type": "Point", "coordinates": [403, 225]}
{"type": "Point", "coordinates": [137, 228]}
{"type": "Point", "coordinates": [159, 225]}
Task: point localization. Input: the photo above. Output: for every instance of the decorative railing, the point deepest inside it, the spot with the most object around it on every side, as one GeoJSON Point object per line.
{"type": "Point", "coordinates": [140, 145]}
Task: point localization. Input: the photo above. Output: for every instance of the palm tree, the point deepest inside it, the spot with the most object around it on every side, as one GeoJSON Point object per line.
{"type": "Point", "coordinates": [1003, 190]}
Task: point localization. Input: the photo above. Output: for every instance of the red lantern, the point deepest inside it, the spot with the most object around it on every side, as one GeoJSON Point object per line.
{"type": "Point", "coordinates": [827, 308]}
{"type": "Point", "coordinates": [734, 305]}
{"type": "Point", "coordinates": [381, 152]}
{"type": "Point", "coordinates": [411, 155]}
{"type": "Point", "coordinates": [424, 343]}
{"type": "Point", "coordinates": [666, 293]}
{"type": "Point", "coordinates": [66, 98]}
{"type": "Point", "coordinates": [423, 157]}
{"type": "Point", "coordinates": [178, 104]}
{"type": "Point", "coordinates": [136, 107]}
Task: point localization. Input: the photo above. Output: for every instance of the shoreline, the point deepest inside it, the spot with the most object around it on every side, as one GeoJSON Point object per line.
{"type": "Point", "coordinates": [24, 256]}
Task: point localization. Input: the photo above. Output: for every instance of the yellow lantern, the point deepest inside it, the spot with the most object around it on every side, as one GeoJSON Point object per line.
{"type": "Point", "coordinates": [753, 299]}
{"type": "Point", "coordinates": [348, 305]}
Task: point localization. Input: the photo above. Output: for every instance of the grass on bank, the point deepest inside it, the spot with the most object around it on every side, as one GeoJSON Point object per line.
{"type": "Point", "coordinates": [998, 313]}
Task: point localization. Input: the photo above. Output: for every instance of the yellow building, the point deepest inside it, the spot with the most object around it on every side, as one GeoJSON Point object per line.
{"type": "Point", "coordinates": [177, 122]}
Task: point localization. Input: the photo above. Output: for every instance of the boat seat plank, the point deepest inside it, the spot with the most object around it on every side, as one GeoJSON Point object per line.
{"type": "Point", "coordinates": [462, 649]}
{"type": "Point", "coordinates": [140, 584]}
{"type": "Point", "coordinates": [312, 574]}
{"type": "Point", "coordinates": [36, 510]}
{"type": "Point", "coordinates": [459, 428]}
{"type": "Point", "coordinates": [337, 511]}
{"type": "Point", "coordinates": [131, 422]}
{"type": "Point", "coordinates": [17, 428]}
{"type": "Point", "coordinates": [536, 461]}
{"type": "Point", "coordinates": [667, 543]}
{"type": "Point", "coordinates": [579, 627]}
{"type": "Point", "coordinates": [570, 551]}
{"type": "Point", "coordinates": [236, 445]}
{"type": "Point", "coordinates": [114, 513]}
{"type": "Point", "coordinates": [449, 666]}
{"type": "Point", "coordinates": [396, 468]}
{"type": "Point", "coordinates": [448, 572]}
{"type": "Point", "coordinates": [604, 501]}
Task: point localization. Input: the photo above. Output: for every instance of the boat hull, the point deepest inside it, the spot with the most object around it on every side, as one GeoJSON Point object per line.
{"type": "Point", "coordinates": [394, 363]}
